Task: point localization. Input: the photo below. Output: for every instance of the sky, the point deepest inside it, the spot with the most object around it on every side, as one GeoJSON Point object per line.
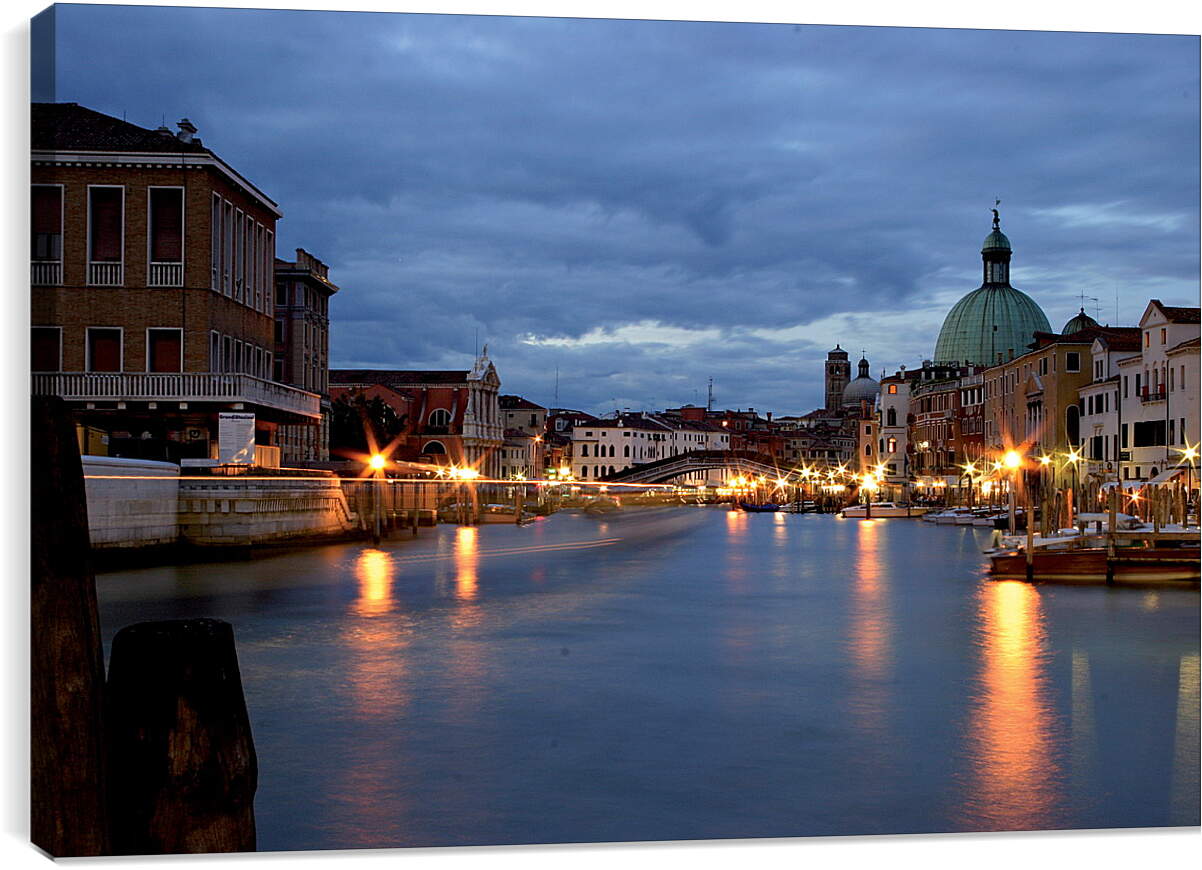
{"type": "Point", "coordinates": [627, 209]}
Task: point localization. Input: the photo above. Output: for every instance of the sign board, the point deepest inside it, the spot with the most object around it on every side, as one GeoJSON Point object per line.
{"type": "Point", "coordinates": [236, 439]}
{"type": "Point", "coordinates": [1125, 456]}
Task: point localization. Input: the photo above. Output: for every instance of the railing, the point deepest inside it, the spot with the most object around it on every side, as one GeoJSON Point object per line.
{"type": "Point", "coordinates": [45, 272]}
{"type": "Point", "coordinates": [176, 387]}
{"type": "Point", "coordinates": [166, 275]}
{"type": "Point", "coordinates": [106, 274]}
{"type": "Point", "coordinates": [1149, 396]}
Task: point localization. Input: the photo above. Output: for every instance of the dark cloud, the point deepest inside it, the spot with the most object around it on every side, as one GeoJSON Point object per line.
{"type": "Point", "coordinates": [755, 192]}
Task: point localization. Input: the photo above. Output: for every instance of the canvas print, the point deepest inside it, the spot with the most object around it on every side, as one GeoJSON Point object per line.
{"type": "Point", "coordinates": [477, 430]}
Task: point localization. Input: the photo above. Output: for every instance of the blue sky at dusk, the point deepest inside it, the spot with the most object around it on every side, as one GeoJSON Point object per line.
{"type": "Point", "coordinates": [647, 204]}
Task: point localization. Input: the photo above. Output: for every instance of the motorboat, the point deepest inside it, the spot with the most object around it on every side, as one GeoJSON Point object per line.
{"type": "Point", "coordinates": [758, 508]}
{"type": "Point", "coordinates": [882, 510]}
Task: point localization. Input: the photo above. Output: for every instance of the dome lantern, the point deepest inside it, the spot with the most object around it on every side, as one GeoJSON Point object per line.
{"type": "Point", "coordinates": [995, 322]}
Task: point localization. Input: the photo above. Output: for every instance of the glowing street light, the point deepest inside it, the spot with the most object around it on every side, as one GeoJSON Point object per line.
{"type": "Point", "coordinates": [377, 461]}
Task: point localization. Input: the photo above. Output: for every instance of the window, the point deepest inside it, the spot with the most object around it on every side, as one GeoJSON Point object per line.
{"type": "Point", "coordinates": [434, 448]}
{"type": "Point", "coordinates": [106, 225]}
{"type": "Point", "coordinates": [46, 349]}
{"type": "Point", "coordinates": [104, 349]}
{"type": "Point", "coordinates": [1147, 339]}
{"type": "Point", "coordinates": [46, 222]}
{"type": "Point", "coordinates": [893, 389]}
{"type": "Point", "coordinates": [166, 225]}
{"type": "Point", "coordinates": [891, 417]}
{"type": "Point", "coordinates": [1164, 335]}
{"type": "Point", "coordinates": [892, 445]}
{"type": "Point", "coordinates": [214, 352]}
{"type": "Point", "coordinates": [1072, 361]}
{"type": "Point", "coordinates": [164, 350]}
{"type": "Point", "coordinates": [440, 418]}
{"type": "Point", "coordinates": [1150, 433]}
{"type": "Point", "coordinates": [584, 450]}
{"type": "Point", "coordinates": [626, 450]}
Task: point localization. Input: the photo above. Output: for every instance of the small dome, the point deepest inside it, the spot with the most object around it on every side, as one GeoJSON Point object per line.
{"type": "Point", "coordinates": [863, 387]}
{"type": "Point", "coordinates": [1078, 323]}
{"type": "Point", "coordinates": [995, 241]}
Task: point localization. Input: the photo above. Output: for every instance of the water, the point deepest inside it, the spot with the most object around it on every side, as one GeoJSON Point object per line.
{"type": "Point", "coordinates": [691, 673]}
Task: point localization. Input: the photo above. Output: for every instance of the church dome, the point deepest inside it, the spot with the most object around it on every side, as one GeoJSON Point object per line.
{"type": "Point", "coordinates": [995, 319]}
{"type": "Point", "coordinates": [863, 387]}
{"type": "Point", "coordinates": [1078, 323]}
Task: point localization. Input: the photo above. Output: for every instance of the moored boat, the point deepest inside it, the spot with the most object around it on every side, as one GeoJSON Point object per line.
{"type": "Point", "coordinates": [882, 510]}
{"type": "Point", "coordinates": [1097, 564]}
{"type": "Point", "coordinates": [759, 508]}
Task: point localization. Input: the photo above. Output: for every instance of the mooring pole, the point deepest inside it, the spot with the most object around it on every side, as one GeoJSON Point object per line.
{"type": "Point", "coordinates": [68, 816]}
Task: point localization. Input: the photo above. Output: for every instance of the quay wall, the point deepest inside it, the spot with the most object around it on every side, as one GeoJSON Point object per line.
{"type": "Point", "coordinates": [136, 504]}
{"type": "Point", "coordinates": [233, 512]}
{"type": "Point", "coordinates": [131, 502]}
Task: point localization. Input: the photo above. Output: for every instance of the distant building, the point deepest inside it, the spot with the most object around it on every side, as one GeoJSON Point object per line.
{"type": "Point", "coordinates": [1159, 409]}
{"type": "Point", "coordinates": [151, 272]}
{"type": "Point", "coordinates": [454, 417]}
{"type": "Point", "coordinates": [301, 352]}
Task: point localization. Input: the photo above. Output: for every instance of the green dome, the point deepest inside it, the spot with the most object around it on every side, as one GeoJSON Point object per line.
{"type": "Point", "coordinates": [995, 241]}
{"type": "Point", "coordinates": [1078, 323]}
{"type": "Point", "coordinates": [990, 320]}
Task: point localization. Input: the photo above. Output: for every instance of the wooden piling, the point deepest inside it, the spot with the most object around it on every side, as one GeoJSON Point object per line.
{"type": "Point", "coordinates": [68, 816]}
{"type": "Point", "coordinates": [1030, 551]}
{"type": "Point", "coordinates": [181, 751]}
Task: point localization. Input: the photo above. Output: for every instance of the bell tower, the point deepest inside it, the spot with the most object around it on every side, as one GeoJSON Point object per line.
{"type": "Point", "coordinates": [838, 375]}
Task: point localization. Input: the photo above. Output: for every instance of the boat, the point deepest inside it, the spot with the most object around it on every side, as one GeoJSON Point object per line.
{"type": "Point", "coordinates": [950, 517]}
{"type": "Point", "coordinates": [882, 510]}
{"type": "Point", "coordinates": [1126, 556]}
{"type": "Point", "coordinates": [758, 508]}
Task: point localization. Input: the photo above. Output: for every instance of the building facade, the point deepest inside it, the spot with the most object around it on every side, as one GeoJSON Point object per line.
{"type": "Point", "coordinates": [151, 273]}
{"type": "Point", "coordinates": [301, 349]}
{"type": "Point", "coordinates": [452, 417]}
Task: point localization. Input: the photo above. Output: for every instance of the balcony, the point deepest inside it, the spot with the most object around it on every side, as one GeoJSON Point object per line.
{"type": "Point", "coordinates": [106, 274]}
{"type": "Point", "coordinates": [45, 273]}
{"type": "Point", "coordinates": [165, 275]}
{"type": "Point", "coordinates": [176, 387]}
{"type": "Point", "coordinates": [1147, 396]}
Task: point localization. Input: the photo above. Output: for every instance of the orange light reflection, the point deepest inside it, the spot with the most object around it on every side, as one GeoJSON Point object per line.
{"type": "Point", "coordinates": [1013, 769]}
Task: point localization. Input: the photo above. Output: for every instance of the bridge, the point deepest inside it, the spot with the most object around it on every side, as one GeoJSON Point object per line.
{"type": "Point", "coordinates": [745, 462]}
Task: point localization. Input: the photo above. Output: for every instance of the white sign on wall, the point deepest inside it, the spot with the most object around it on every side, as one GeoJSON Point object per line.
{"type": "Point", "coordinates": [236, 439]}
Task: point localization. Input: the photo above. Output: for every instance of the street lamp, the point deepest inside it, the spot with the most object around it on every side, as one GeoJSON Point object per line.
{"type": "Point", "coordinates": [1013, 461]}
{"type": "Point", "coordinates": [1073, 457]}
{"type": "Point", "coordinates": [376, 463]}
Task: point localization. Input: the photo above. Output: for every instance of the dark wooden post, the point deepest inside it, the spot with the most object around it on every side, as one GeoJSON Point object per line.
{"type": "Point", "coordinates": [67, 787]}
{"type": "Point", "coordinates": [182, 755]}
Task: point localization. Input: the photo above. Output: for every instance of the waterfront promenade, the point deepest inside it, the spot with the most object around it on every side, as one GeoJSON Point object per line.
{"type": "Point", "coordinates": [690, 673]}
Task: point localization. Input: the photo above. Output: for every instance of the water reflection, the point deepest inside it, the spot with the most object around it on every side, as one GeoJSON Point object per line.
{"type": "Point", "coordinates": [1183, 809]}
{"type": "Point", "coordinates": [869, 635]}
{"type": "Point", "coordinates": [1084, 747]}
{"type": "Point", "coordinates": [1013, 772]}
{"type": "Point", "coordinates": [374, 570]}
{"type": "Point", "coordinates": [467, 559]}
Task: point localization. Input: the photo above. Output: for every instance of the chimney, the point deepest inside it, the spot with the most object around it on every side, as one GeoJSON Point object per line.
{"type": "Point", "coordinates": [186, 131]}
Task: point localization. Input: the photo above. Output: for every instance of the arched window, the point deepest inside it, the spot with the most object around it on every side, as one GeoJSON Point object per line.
{"type": "Point", "coordinates": [891, 417]}
{"type": "Point", "coordinates": [434, 448]}
{"type": "Point", "coordinates": [440, 417]}
{"type": "Point", "coordinates": [611, 450]}
{"type": "Point", "coordinates": [867, 449]}
{"type": "Point", "coordinates": [626, 450]}
{"type": "Point", "coordinates": [611, 469]}
{"type": "Point", "coordinates": [584, 450]}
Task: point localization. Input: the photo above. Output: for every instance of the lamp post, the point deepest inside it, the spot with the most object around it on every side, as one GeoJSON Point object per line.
{"type": "Point", "coordinates": [1013, 461]}
{"type": "Point", "coordinates": [1073, 458]}
{"type": "Point", "coordinates": [377, 466]}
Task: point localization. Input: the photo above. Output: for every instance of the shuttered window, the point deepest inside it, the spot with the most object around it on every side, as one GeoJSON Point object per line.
{"type": "Point", "coordinates": [166, 225]}
{"type": "Point", "coordinates": [46, 222]}
{"type": "Point", "coordinates": [106, 218]}
{"type": "Point", "coordinates": [104, 350]}
{"type": "Point", "coordinates": [163, 348]}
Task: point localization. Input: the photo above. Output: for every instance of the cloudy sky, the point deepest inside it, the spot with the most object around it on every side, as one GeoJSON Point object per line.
{"type": "Point", "coordinates": [645, 205]}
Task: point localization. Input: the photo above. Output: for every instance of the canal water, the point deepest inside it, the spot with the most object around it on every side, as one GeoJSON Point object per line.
{"type": "Point", "coordinates": [691, 673]}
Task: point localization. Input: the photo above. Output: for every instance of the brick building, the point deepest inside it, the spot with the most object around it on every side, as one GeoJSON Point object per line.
{"type": "Point", "coordinates": [151, 273]}
{"type": "Point", "coordinates": [301, 349]}
{"type": "Point", "coordinates": [452, 417]}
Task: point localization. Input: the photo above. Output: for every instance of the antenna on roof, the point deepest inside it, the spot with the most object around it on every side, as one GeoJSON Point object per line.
{"type": "Point", "coordinates": [709, 399]}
